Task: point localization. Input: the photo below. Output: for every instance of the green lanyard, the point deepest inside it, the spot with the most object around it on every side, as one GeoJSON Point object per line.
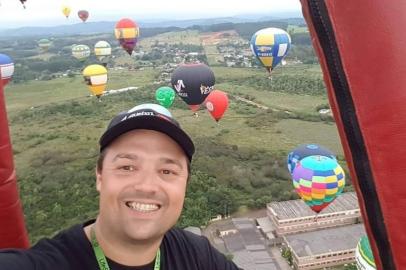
{"type": "Point", "coordinates": [101, 259]}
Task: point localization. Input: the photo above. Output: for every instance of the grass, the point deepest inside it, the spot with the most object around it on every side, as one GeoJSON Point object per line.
{"type": "Point", "coordinates": [296, 132]}
{"type": "Point", "coordinates": [297, 29]}
{"type": "Point", "coordinates": [37, 93]}
{"type": "Point", "coordinates": [277, 100]}
{"type": "Point", "coordinates": [213, 54]}
{"type": "Point", "coordinates": [185, 37]}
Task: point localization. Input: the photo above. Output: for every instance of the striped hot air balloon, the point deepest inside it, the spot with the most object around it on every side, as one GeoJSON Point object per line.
{"type": "Point", "coordinates": [270, 45]}
{"type": "Point", "coordinates": [96, 78]}
{"type": "Point", "coordinates": [6, 68]}
{"type": "Point", "coordinates": [127, 32]}
{"type": "Point", "coordinates": [102, 50]}
{"type": "Point", "coordinates": [318, 180]}
{"type": "Point", "coordinates": [81, 52]}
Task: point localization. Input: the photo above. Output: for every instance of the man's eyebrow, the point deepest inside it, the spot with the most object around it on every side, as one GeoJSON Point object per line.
{"type": "Point", "coordinates": [171, 161]}
{"type": "Point", "coordinates": [125, 155]}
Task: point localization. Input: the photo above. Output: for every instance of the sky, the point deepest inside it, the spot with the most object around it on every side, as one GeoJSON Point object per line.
{"type": "Point", "coordinates": [49, 12]}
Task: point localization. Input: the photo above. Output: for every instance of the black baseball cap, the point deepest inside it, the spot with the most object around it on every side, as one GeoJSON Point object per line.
{"type": "Point", "coordinates": [147, 116]}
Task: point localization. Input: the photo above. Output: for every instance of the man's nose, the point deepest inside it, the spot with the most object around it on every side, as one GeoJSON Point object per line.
{"type": "Point", "coordinates": [146, 180]}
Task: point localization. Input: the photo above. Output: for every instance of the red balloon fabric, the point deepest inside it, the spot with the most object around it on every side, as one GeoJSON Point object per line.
{"type": "Point", "coordinates": [217, 103]}
{"type": "Point", "coordinates": [13, 233]}
{"type": "Point", "coordinates": [194, 108]}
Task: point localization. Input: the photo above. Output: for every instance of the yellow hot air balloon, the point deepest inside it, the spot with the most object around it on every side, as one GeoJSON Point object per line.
{"type": "Point", "coordinates": [66, 11]}
{"type": "Point", "coordinates": [96, 78]}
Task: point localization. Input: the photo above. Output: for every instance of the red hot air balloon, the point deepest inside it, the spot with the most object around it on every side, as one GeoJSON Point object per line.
{"type": "Point", "coordinates": [83, 15]}
{"type": "Point", "coordinates": [194, 108]}
{"type": "Point", "coordinates": [217, 103]}
{"type": "Point", "coordinates": [127, 32]}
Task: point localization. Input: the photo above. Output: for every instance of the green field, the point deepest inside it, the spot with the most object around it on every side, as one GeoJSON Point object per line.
{"type": "Point", "coordinates": [185, 37]}
{"type": "Point", "coordinates": [37, 93]}
{"type": "Point", "coordinates": [213, 55]}
{"type": "Point", "coordinates": [297, 29]}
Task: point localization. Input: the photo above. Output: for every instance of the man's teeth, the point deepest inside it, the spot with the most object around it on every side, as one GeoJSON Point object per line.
{"type": "Point", "coordinates": [142, 207]}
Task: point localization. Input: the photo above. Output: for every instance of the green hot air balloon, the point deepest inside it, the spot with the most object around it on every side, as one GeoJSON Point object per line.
{"type": "Point", "coordinates": [165, 96]}
{"type": "Point", "coordinates": [44, 44]}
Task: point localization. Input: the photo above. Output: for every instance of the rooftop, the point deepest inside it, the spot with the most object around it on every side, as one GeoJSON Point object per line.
{"type": "Point", "coordinates": [327, 240]}
{"type": "Point", "coordinates": [297, 208]}
{"type": "Point", "coordinates": [247, 246]}
{"type": "Point", "coordinates": [265, 224]}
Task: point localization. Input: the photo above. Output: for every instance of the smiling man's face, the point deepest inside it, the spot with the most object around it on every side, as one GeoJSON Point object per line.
{"type": "Point", "coordinates": [142, 185]}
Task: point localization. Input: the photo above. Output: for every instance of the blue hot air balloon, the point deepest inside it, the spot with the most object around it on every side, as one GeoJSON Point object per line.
{"type": "Point", "coordinates": [306, 150]}
{"type": "Point", "coordinates": [270, 46]}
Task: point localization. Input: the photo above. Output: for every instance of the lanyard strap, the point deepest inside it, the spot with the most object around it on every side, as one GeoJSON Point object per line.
{"type": "Point", "coordinates": [101, 259]}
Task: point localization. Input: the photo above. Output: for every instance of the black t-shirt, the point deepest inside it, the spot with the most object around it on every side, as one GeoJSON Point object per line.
{"type": "Point", "coordinates": [71, 250]}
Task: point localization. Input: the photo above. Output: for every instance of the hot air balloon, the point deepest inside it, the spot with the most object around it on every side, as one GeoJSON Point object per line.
{"type": "Point", "coordinates": [66, 11]}
{"type": "Point", "coordinates": [193, 82]}
{"type": "Point", "coordinates": [6, 68]}
{"type": "Point", "coordinates": [363, 255]}
{"type": "Point", "coordinates": [127, 32]}
{"type": "Point", "coordinates": [194, 108]}
{"type": "Point", "coordinates": [44, 44]}
{"type": "Point", "coordinates": [96, 78]}
{"type": "Point", "coordinates": [217, 103]}
{"type": "Point", "coordinates": [165, 96]}
{"type": "Point", "coordinates": [270, 45]}
{"type": "Point", "coordinates": [318, 180]}
{"type": "Point", "coordinates": [81, 52]}
{"type": "Point", "coordinates": [23, 2]}
{"type": "Point", "coordinates": [306, 150]}
{"type": "Point", "coordinates": [83, 15]}
{"type": "Point", "coordinates": [102, 50]}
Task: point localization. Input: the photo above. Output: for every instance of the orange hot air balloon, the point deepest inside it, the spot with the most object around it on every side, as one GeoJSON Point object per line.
{"type": "Point", "coordinates": [217, 103]}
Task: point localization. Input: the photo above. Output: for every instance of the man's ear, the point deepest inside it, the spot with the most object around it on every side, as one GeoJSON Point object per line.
{"type": "Point", "coordinates": [98, 179]}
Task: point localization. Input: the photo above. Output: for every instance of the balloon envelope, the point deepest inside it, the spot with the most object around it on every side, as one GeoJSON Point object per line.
{"type": "Point", "coordinates": [102, 50]}
{"type": "Point", "coordinates": [193, 82]}
{"type": "Point", "coordinates": [364, 256]}
{"type": "Point", "coordinates": [165, 96]}
{"type": "Point", "coordinates": [217, 103]}
{"type": "Point", "coordinates": [83, 15]}
{"type": "Point", "coordinates": [127, 32]}
{"type": "Point", "coordinates": [194, 108]}
{"type": "Point", "coordinates": [305, 150]}
{"type": "Point", "coordinates": [81, 52]}
{"type": "Point", "coordinates": [6, 68]}
{"type": "Point", "coordinates": [23, 2]}
{"type": "Point", "coordinates": [270, 45]}
{"type": "Point", "coordinates": [318, 180]}
{"type": "Point", "coordinates": [44, 44]}
{"type": "Point", "coordinates": [66, 11]}
{"type": "Point", "coordinates": [96, 78]}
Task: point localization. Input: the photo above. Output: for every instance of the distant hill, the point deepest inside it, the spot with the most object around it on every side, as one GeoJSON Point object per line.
{"type": "Point", "coordinates": [107, 26]}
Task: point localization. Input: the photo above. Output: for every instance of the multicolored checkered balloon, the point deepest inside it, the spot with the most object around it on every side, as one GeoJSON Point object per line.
{"type": "Point", "coordinates": [318, 180]}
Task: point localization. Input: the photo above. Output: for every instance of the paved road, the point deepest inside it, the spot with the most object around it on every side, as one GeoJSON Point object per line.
{"type": "Point", "coordinates": [276, 254]}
